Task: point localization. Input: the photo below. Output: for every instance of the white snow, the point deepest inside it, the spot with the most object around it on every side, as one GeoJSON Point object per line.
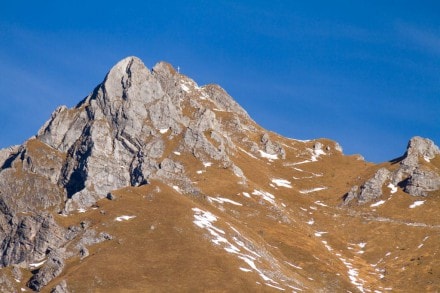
{"type": "Point", "coordinates": [176, 188]}
{"type": "Point", "coordinates": [207, 164]}
{"type": "Point", "coordinates": [293, 265]}
{"type": "Point", "coordinates": [81, 210]}
{"type": "Point", "coordinates": [320, 233]}
{"type": "Point", "coordinates": [222, 200]}
{"type": "Point", "coordinates": [185, 88]}
{"type": "Point", "coordinates": [237, 245]}
{"type": "Point", "coordinates": [246, 194]}
{"type": "Point", "coordinates": [248, 153]}
{"type": "Point", "coordinates": [265, 155]}
{"type": "Point", "coordinates": [37, 264]}
{"type": "Point", "coordinates": [320, 203]}
{"type": "Point", "coordinates": [124, 218]}
{"type": "Point", "coordinates": [427, 159]}
{"type": "Point", "coordinates": [329, 248]}
{"type": "Point", "coordinates": [416, 204]}
{"type": "Point", "coordinates": [199, 171]}
{"type": "Point", "coordinates": [302, 162]}
{"type": "Point", "coordinates": [282, 183]}
{"type": "Point", "coordinates": [204, 219]}
{"type": "Point", "coordinates": [177, 153]}
{"type": "Point", "coordinates": [305, 191]}
{"type": "Point", "coordinates": [311, 222]}
{"type": "Point", "coordinates": [265, 195]}
{"type": "Point", "coordinates": [362, 244]}
{"type": "Point", "coordinates": [353, 275]}
{"type": "Point", "coordinates": [316, 154]}
{"type": "Point", "coordinates": [381, 202]}
{"type": "Point", "coordinates": [163, 130]}
{"type": "Point", "coordinates": [392, 187]}
{"type": "Point", "coordinates": [276, 287]}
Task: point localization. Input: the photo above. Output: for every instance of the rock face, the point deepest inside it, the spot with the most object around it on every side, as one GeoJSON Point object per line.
{"type": "Point", "coordinates": [412, 176]}
{"type": "Point", "coordinates": [125, 119]}
{"type": "Point", "coordinates": [52, 268]}
{"type": "Point", "coordinates": [371, 189]}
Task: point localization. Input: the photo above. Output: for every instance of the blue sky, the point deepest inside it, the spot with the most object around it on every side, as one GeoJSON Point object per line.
{"type": "Point", "coordinates": [364, 73]}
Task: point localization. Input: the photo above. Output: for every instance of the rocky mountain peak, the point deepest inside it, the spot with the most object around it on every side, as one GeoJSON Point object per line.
{"type": "Point", "coordinates": [176, 173]}
{"type": "Point", "coordinates": [420, 148]}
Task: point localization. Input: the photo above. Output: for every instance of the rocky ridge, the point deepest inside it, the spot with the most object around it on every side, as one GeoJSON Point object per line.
{"type": "Point", "coordinates": [141, 126]}
{"type": "Point", "coordinates": [412, 174]}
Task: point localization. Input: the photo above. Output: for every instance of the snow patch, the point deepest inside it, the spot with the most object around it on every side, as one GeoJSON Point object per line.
{"type": "Point", "coordinates": [320, 233]}
{"type": "Point", "coordinates": [276, 287]}
{"type": "Point", "coordinates": [81, 210]}
{"type": "Point", "coordinates": [293, 265]}
{"type": "Point", "coordinates": [247, 153]}
{"type": "Point", "coordinates": [311, 222]}
{"type": "Point", "coordinates": [222, 200]}
{"type": "Point", "coordinates": [282, 183]}
{"type": "Point", "coordinates": [416, 204]}
{"type": "Point", "coordinates": [305, 191]}
{"type": "Point", "coordinates": [207, 164]}
{"type": "Point", "coordinates": [392, 187]}
{"type": "Point", "coordinates": [200, 171]}
{"type": "Point", "coordinates": [177, 153]}
{"type": "Point", "coordinates": [320, 203]}
{"type": "Point", "coordinates": [265, 195]}
{"type": "Point", "coordinates": [163, 130]}
{"type": "Point", "coordinates": [246, 194]}
{"type": "Point", "coordinates": [265, 155]}
{"type": "Point", "coordinates": [184, 87]}
{"type": "Point", "coordinates": [37, 264]}
{"type": "Point", "coordinates": [176, 188]}
{"type": "Point", "coordinates": [381, 202]}
{"type": "Point", "coordinates": [124, 218]}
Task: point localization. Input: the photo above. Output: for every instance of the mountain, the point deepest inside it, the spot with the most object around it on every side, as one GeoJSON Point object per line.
{"type": "Point", "coordinates": [153, 183]}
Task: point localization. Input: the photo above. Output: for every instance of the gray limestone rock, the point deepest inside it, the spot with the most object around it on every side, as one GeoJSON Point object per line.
{"type": "Point", "coordinates": [273, 148]}
{"type": "Point", "coordinates": [60, 288]}
{"type": "Point", "coordinates": [28, 239]}
{"type": "Point", "coordinates": [411, 175]}
{"type": "Point", "coordinates": [421, 182]}
{"type": "Point", "coordinates": [418, 148]}
{"type": "Point", "coordinates": [370, 190]}
{"type": "Point", "coordinates": [51, 269]}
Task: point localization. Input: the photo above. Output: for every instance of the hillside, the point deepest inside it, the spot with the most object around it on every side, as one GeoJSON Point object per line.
{"type": "Point", "coordinates": [154, 183]}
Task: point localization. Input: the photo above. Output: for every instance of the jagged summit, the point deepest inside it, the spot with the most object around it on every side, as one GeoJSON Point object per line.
{"type": "Point", "coordinates": [153, 178]}
{"type": "Point", "coordinates": [126, 117]}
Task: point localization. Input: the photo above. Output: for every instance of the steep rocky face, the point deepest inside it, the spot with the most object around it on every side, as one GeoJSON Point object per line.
{"type": "Point", "coordinates": [125, 118]}
{"type": "Point", "coordinates": [154, 174]}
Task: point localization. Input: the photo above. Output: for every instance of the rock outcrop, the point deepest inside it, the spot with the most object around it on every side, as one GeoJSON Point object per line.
{"type": "Point", "coordinates": [411, 175]}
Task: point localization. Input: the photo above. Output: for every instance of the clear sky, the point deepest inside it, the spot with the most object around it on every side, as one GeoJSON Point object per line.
{"type": "Point", "coordinates": [364, 73]}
